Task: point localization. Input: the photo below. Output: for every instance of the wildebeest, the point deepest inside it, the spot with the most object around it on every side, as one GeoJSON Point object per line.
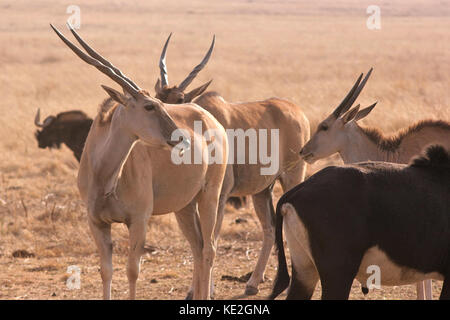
{"type": "Point", "coordinates": [344, 219]}
{"type": "Point", "coordinates": [127, 174]}
{"type": "Point", "coordinates": [245, 179]}
{"type": "Point", "coordinates": [69, 127]}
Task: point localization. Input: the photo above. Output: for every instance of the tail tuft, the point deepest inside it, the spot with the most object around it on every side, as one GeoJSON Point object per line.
{"type": "Point", "coordinates": [435, 156]}
{"type": "Point", "coordinates": [282, 278]}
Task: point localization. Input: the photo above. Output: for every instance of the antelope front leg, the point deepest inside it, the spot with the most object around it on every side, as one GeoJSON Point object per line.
{"type": "Point", "coordinates": [207, 208]}
{"type": "Point", "coordinates": [189, 225]}
{"type": "Point", "coordinates": [102, 236]}
{"type": "Point", "coordinates": [428, 290]}
{"type": "Point", "coordinates": [420, 290]}
{"type": "Point", "coordinates": [137, 230]}
{"type": "Point", "coordinates": [265, 212]}
{"type": "Point", "coordinates": [224, 195]}
{"type": "Point", "coordinates": [424, 291]}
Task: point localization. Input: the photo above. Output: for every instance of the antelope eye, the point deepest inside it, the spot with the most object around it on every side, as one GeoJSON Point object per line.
{"type": "Point", "coordinates": [149, 107]}
{"type": "Point", "coordinates": [323, 127]}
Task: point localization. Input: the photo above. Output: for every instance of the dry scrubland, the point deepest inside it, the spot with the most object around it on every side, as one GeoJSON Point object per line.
{"type": "Point", "coordinates": [308, 53]}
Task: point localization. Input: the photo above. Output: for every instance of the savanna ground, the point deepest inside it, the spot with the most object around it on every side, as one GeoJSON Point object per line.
{"type": "Point", "coordinates": [308, 52]}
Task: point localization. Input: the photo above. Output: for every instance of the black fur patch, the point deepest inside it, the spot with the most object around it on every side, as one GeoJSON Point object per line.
{"type": "Point", "coordinates": [435, 156]}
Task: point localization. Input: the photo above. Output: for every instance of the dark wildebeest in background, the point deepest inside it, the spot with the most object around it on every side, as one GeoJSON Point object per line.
{"type": "Point", "coordinates": [70, 128]}
{"type": "Point", "coordinates": [345, 219]}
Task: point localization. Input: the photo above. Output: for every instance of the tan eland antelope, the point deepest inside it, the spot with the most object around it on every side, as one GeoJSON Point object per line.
{"type": "Point", "coordinates": [176, 94]}
{"type": "Point", "coordinates": [127, 174]}
{"type": "Point", "coordinates": [245, 179]}
{"type": "Point", "coordinates": [341, 133]}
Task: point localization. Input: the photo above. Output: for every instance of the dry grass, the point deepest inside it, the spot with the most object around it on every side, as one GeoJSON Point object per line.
{"type": "Point", "coordinates": [306, 52]}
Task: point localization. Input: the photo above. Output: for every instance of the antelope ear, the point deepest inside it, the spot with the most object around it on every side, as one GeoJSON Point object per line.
{"type": "Point", "coordinates": [351, 114]}
{"type": "Point", "coordinates": [188, 97]}
{"type": "Point", "coordinates": [116, 95]}
{"type": "Point", "coordinates": [158, 87]}
{"type": "Point", "coordinates": [364, 112]}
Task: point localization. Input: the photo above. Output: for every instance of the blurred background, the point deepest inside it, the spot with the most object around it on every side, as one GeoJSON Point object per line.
{"type": "Point", "coordinates": [307, 52]}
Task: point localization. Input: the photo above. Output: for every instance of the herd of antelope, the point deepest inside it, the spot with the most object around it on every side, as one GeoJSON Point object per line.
{"type": "Point", "coordinates": [388, 206]}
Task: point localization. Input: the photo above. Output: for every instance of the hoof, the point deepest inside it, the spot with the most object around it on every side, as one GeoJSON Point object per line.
{"type": "Point", "coordinates": [364, 290]}
{"type": "Point", "coordinates": [251, 291]}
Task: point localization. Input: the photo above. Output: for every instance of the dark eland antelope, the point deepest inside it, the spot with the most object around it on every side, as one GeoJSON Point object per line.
{"type": "Point", "coordinates": [346, 219]}
{"type": "Point", "coordinates": [341, 133]}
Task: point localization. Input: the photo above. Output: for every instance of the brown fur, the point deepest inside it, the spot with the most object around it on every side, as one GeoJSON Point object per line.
{"type": "Point", "coordinates": [392, 143]}
{"type": "Point", "coordinates": [69, 127]}
{"type": "Point", "coordinates": [108, 106]}
{"type": "Point", "coordinates": [163, 94]}
{"type": "Point", "coordinates": [106, 110]}
{"type": "Point", "coordinates": [71, 116]}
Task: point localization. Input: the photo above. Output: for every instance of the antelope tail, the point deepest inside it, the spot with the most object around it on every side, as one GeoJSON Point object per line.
{"type": "Point", "coordinates": [282, 278]}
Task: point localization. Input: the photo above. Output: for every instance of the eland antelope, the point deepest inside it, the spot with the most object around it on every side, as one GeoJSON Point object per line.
{"type": "Point", "coordinates": [69, 127]}
{"type": "Point", "coordinates": [375, 218]}
{"type": "Point", "coordinates": [341, 133]}
{"type": "Point", "coordinates": [176, 95]}
{"type": "Point", "coordinates": [245, 179]}
{"type": "Point", "coordinates": [127, 174]}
